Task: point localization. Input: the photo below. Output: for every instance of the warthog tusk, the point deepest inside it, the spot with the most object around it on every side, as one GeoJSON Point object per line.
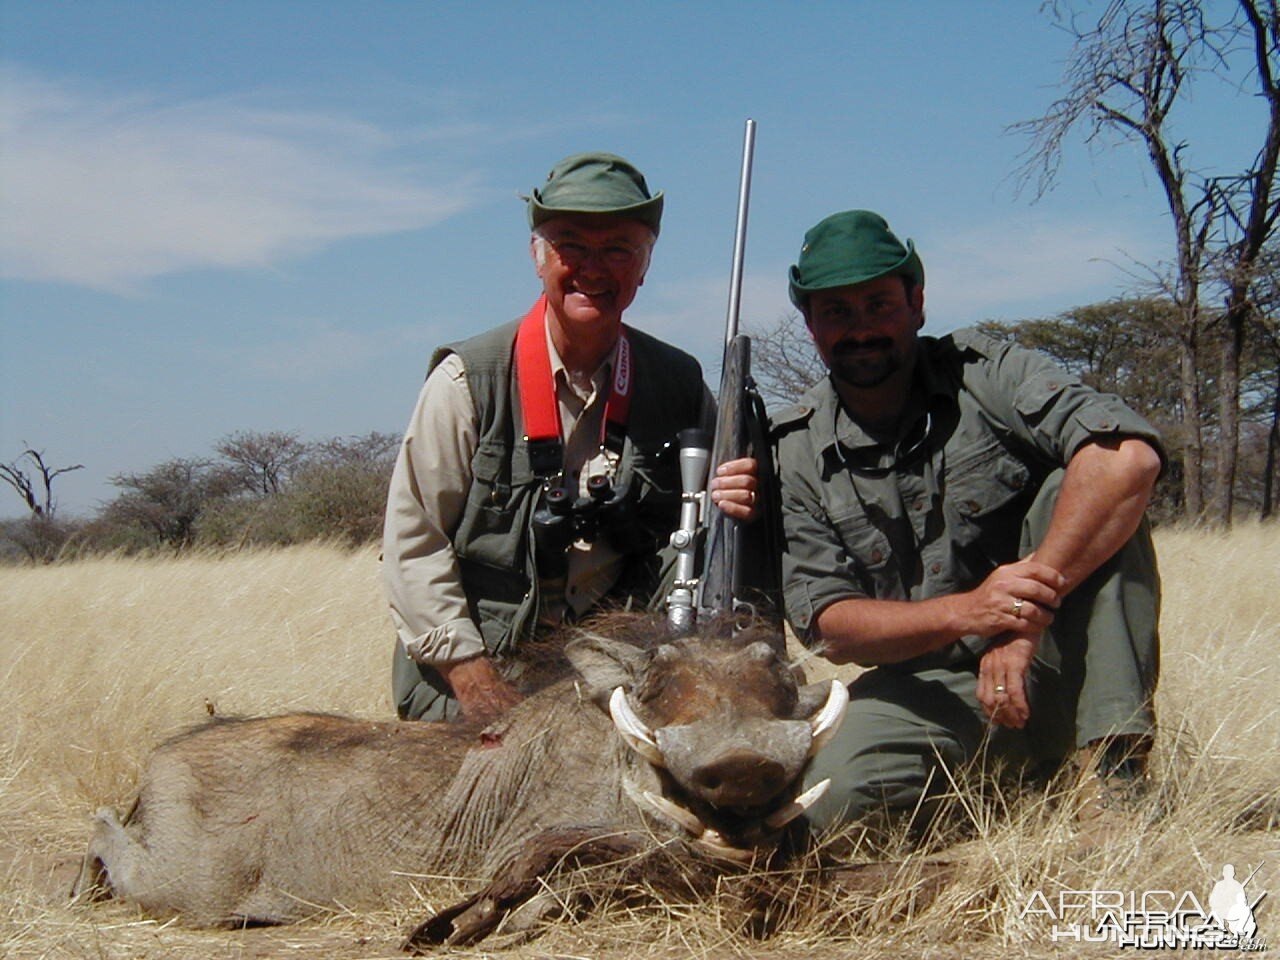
{"type": "Point", "coordinates": [827, 721]}
{"type": "Point", "coordinates": [687, 820]}
{"type": "Point", "coordinates": [705, 838]}
{"type": "Point", "coordinates": [713, 843]}
{"type": "Point", "coordinates": [784, 815]}
{"type": "Point", "coordinates": [633, 730]}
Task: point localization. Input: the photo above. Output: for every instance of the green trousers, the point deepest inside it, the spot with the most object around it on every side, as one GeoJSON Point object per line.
{"type": "Point", "coordinates": [907, 732]}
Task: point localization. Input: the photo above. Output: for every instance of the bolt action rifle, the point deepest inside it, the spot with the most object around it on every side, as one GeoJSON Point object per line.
{"type": "Point", "coordinates": [740, 563]}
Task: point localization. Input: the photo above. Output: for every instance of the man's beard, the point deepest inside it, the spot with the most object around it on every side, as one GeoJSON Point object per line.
{"type": "Point", "coordinates": [865, 365]}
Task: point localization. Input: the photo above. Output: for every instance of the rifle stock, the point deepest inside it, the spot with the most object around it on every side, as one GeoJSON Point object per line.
{"type": "Point", "coordinates": [716, 589]}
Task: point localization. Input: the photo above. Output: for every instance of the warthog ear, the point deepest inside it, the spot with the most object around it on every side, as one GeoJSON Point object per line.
{"type": "Point", "coordinates": [603, 663]}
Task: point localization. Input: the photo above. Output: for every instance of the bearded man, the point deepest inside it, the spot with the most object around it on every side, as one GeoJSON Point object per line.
{"type": "Point", "coordinates": [967, 520]}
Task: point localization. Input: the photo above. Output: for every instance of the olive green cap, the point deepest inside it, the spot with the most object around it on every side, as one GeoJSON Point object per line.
{"type": "Point", "coordinates": [851, 247]}
{"type": "Point", "coordinates": [595, 183]}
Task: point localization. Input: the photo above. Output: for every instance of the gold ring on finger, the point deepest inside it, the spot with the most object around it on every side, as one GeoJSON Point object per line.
{"type": "Point", "coordinates": [1017, 606]}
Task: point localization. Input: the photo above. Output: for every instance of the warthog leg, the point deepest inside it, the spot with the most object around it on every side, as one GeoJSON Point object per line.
{"type": "Point", "coordinates": [110, 863]}
{"type": "Point", "coordinates": [519, 880]}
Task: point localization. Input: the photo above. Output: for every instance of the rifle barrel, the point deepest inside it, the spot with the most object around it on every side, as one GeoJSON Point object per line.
{"type": "Point", "coordinates": [740, 234]}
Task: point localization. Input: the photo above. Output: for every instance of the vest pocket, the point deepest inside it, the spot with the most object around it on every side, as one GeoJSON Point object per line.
{"type": "Point", "coordinates": [493, 525]}
{"type": "Point", "coordinates": [496, 596]}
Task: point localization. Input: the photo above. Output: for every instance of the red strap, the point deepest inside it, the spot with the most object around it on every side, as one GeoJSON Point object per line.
{"type": "Point", "coordinates": [533, 373]}
{"type": "Point", "coordinates": [538, 402]}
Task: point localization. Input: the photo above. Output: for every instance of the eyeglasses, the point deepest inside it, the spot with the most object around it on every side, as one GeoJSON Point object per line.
{"type": "Point", "coordinates": [575, 253]}
{"type": "Point", "coordinates": [906, 450]}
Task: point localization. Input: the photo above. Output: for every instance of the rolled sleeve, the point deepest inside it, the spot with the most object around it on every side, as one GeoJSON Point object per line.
{"type": "Point", "coordinates": [817, 570]}
{"type": "Point", "coordinates": [1056, 411]}
{"type": "Point", "coordinates": [425, 499]}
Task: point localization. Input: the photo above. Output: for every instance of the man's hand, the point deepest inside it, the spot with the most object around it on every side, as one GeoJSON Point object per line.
{"type": "Point", "coordinates": [1002, 680]}
{"type": "Point", "coordinates": [1016, 597]}
{"type": "Point", "coordinates": [734, 489]}
{"type": "Point", "coordinates": [480, 690]}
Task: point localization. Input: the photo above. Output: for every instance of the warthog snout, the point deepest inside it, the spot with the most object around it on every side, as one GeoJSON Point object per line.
{"type": "Point", "coordinates": [742, 778]}
{"type": "Point", "coordinates": [745, 769]}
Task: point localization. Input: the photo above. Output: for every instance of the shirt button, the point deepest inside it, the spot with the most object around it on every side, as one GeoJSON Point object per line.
{"type": "Point", "coordinates": [918, 505]}
{"type": "Point", "coordinates": [972, 506]}
{"type": "Point", "coordinates": [876, 556]}
{"type": "Point", "coordinates": [935, 568]}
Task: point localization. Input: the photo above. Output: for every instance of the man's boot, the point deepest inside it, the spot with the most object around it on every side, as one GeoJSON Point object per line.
{"type": "Point", "coordinates": [1111, 781]}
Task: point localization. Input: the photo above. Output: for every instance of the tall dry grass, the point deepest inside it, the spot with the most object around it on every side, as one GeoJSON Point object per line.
{"type": "Point", "coordinates": [101, 659]}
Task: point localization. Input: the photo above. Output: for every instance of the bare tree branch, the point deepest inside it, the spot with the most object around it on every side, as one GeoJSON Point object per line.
{"type": "Point", "coordinates": [24, 483]}
{"type": "Point", "coordinates": [1129, 70]}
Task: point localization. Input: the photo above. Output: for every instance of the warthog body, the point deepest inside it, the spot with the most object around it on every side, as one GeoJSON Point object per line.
{"type": "Point", "coordinates": [268, 820]}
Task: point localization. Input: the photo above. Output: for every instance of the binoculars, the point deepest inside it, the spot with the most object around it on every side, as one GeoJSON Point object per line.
{"type": "Point", "coordinates": [562, 519]}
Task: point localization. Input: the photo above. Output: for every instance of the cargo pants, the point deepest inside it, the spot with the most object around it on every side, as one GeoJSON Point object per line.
{"type": "Point", "coordinates": [906, 733]}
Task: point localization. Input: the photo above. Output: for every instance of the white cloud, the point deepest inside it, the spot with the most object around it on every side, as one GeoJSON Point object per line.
{"type": "Point", "coordinates": [112, 191]}
{"type": "Point", "coordinates": [1001, 268]}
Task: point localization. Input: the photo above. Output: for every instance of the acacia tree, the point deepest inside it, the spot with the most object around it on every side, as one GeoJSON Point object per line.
{"type": "Point", "coordinates": [1128, 71]}
{"type": "Point", "coordinates": [1117, 346]}
{"type": "Point", "coordinates": [167, 501]}
{"type": "Point", "coordinates": [263, 462]}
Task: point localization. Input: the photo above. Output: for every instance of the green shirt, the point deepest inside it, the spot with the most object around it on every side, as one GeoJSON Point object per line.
{"type": "Point", "coordinates": [937, 506]}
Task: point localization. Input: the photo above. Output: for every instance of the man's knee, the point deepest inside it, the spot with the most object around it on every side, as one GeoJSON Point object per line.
{"type": "Point", "coordinates": [892, 750]}
{"type": "Point", "coordinates": [884, 785]}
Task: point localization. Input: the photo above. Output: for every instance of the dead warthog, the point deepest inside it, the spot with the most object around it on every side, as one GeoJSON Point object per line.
{"type": "Point", "coordinates": [646, 742]}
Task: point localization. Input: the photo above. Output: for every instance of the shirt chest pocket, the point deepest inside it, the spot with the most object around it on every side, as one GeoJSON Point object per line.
{"type": "Point", "coordinates": [986, 493]}
{"type": "Point", "coordinates": [870, 559]}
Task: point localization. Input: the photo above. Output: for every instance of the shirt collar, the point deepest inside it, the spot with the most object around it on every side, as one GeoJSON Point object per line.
{"type": "Point", "coordinates": [560, 373]}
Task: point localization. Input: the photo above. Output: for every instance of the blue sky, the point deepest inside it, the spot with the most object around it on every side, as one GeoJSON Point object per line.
{"type": "Point", "coordinates": [220, 216]}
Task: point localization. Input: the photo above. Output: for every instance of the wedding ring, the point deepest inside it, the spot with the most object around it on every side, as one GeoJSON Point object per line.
{"type": "Point", "coordinates": [1017, 606]}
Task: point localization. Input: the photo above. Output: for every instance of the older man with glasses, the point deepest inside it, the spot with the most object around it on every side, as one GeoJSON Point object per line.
{"type": "Point", "coordinates": [967, 520]}
{"type": "Point", "coordinates": [538, 478]}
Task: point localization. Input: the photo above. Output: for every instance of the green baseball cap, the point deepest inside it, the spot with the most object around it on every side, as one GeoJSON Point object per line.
{"type": "Point", "coordinates": [851, 247]}
{"type": "Point", "coordinates": [595, 183]}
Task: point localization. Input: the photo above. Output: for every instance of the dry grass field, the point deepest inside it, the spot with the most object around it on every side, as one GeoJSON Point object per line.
{"type": "Point", "coordinates": [101, 659]}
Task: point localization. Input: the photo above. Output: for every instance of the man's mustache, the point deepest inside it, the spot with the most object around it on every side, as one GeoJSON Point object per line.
{"type": "Point", "coordinates": [856, 346]}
